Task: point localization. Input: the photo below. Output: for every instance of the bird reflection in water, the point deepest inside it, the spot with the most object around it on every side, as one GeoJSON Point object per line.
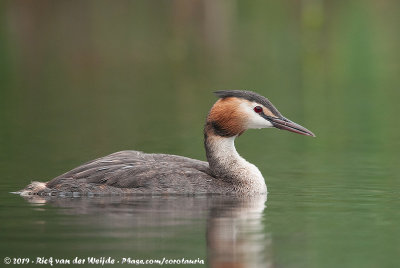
{"type": "Point", "coordinates": [235, 234]}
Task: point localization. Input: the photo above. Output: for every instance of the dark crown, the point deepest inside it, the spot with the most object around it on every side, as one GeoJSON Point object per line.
{"type": "Point", "coordinates": [250, 96]}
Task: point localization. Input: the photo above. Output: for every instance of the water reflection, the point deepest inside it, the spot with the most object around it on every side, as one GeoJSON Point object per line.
{"type": "Point", "coordinates": [234, 230]}
{"type": "Point", "coordinates": [235, 235]}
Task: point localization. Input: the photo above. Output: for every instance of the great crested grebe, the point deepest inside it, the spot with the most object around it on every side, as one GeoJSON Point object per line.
{"type": "Point", "coordinates": [134, 172]}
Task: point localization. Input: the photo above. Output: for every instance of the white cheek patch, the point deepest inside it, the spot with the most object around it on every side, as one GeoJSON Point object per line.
{"type": "Point", "coordinates": [254, 120]}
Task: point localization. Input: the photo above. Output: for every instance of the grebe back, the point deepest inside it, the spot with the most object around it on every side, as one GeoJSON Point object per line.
{"type": "Point", "coordinates": [134, 172]}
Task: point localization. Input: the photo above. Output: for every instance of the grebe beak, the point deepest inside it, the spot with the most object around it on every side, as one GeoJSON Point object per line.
{"type": "Point", "coordinates": [286, 124]}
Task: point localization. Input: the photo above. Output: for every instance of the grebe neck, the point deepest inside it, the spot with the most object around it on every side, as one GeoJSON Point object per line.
{"type": "Point", "coordinates": [226, 164]}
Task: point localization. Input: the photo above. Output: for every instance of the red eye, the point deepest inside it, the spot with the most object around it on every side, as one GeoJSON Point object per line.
{"type": "Point", "coordinates": [258, 109]}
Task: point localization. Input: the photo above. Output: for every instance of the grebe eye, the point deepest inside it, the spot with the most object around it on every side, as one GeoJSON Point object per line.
{"type": "Point", "coordinates": [258, 109]}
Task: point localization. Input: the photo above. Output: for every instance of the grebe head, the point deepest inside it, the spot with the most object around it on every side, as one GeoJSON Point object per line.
{"type": "Point", "coordinates": [239, 110]}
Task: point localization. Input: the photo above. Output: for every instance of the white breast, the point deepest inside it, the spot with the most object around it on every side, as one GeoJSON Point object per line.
{"type": "Point", "coordinates": [237, 167]}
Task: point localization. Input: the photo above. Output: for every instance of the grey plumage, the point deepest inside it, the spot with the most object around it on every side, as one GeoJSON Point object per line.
{"type": "Point", "coordinates": [134, 172]}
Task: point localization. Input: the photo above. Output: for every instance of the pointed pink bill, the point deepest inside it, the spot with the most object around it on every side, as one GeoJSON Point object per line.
{"type": "Point", "coordinates": [286, 124]}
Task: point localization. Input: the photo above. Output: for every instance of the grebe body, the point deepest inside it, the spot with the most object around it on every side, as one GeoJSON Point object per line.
{"type": "Point", "coordinates": [134, 172]}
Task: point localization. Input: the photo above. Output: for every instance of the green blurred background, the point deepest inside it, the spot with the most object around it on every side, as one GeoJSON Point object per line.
{"type": "Point", "coordinates": [81, 79]}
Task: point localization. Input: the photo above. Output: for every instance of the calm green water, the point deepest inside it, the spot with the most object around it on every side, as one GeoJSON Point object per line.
{"type": "Point", "coordinates": [79, 80]}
